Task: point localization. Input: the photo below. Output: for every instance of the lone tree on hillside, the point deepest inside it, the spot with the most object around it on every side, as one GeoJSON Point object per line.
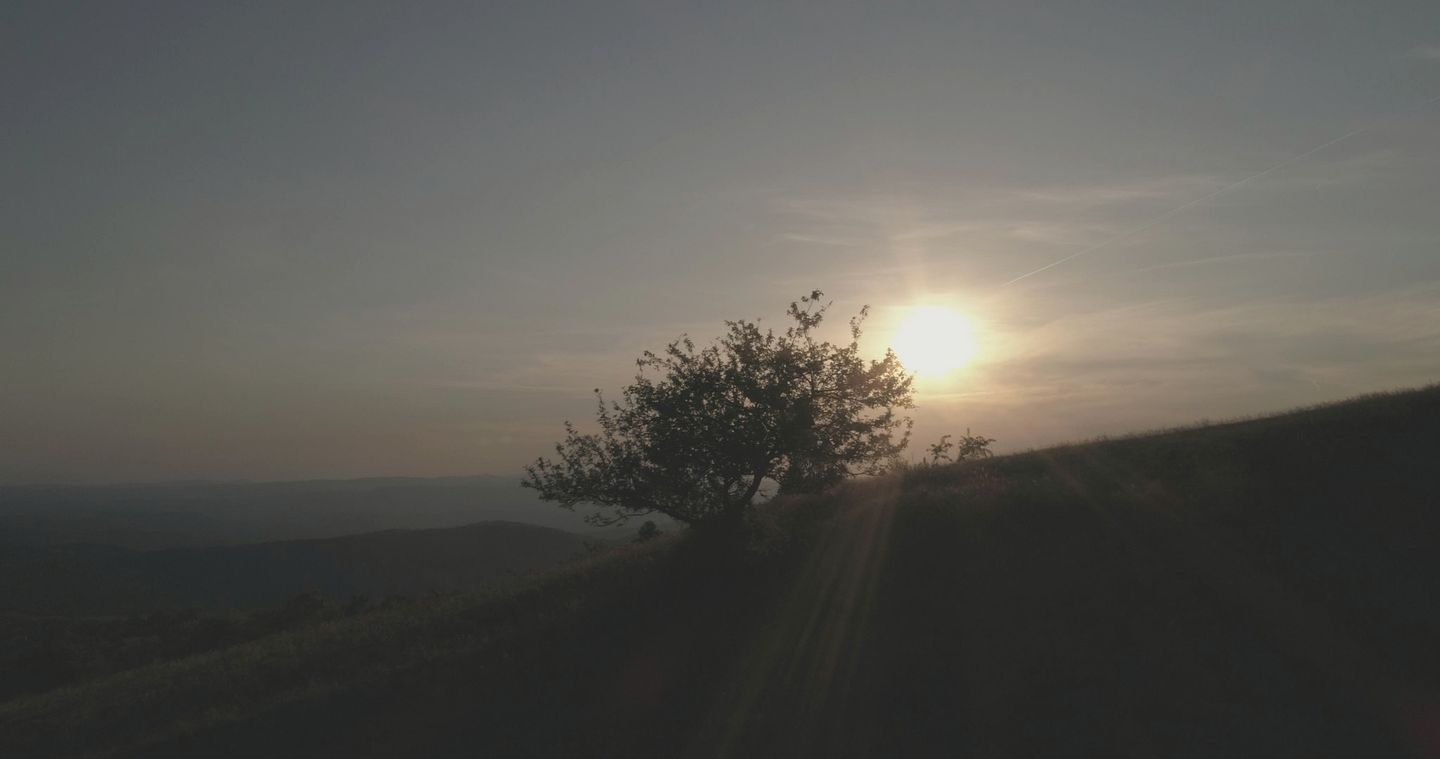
{"type": "Point", "coordinates": [701, 429]}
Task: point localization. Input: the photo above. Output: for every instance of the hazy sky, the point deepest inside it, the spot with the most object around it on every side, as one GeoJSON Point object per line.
{"type": "Point", "coordinates": [358, 238]}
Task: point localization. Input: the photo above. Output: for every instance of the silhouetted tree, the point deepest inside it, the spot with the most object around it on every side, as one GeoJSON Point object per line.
{"type": "Point", "coordinates": [701, 429]}
{"type": "Point", "coordinates": [648, 531]}
{"type": "Point", "coordinates": [969, 448]}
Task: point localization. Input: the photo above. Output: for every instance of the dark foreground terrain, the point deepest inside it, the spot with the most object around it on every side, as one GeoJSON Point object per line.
{"type": "Point", "coordinates": [1263, 588]}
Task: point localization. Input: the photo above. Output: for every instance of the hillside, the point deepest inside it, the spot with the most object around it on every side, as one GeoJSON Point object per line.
{"type": "Point", "coordinates": [1260, 588]}
{"type": "Point", "coordinates": [90, 580]}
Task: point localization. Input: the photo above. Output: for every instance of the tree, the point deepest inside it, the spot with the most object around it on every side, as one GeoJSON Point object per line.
{"type": "Point", "coordinates": [701, 430]}
{"type": "Point", "coordinates": [648, 532]}
{"type": "Point", "coordinates": [970, 447]}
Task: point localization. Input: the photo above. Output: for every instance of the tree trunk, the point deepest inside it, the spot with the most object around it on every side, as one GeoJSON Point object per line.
{"type": "Point", "coordinates": [733, 518]}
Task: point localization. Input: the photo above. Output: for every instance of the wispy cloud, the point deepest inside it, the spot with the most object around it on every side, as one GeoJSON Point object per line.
{"type": "Point", "coordinates": [1189, 344]}
{"type": "Point", "coordinates": [982, 221]}
{"type": "Point", "coordinates": [1340, 170]}
{"type": "Point", "coordinates": [836, 241]}
{"type": "Point", "coordinates": [1217, 260]}
{"type": "Point", "coordinates": [450, 383]}
{"type": "Point", "coordinates": [1109, 194]}
{"type": "Point", "coordinates": [1062, 234]}
{"type": "Point", "coordinates": [998, 220]}
{"type": "Point", "coordinates": [1424, 53]}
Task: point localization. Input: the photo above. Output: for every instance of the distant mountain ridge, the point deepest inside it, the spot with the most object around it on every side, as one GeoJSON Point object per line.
{"type": "Point", "coordinates": [176, 515]}
{"type": "Point", "coordinates": [98, 580]}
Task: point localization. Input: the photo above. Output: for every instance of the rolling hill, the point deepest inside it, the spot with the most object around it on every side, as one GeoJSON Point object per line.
{"type": "Point", "coordinates": [177, 515]}
{"type": "Point", "coordinates": [98, 580]}
{"type": "Point", "coordinates": [1260, 588]}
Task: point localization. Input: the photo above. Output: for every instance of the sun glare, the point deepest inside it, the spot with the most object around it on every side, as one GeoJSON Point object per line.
{"type": "Point", "coordinates": [934, 341]}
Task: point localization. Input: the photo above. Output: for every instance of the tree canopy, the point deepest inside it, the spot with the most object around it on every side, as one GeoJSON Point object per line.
{"type": "Point", "coordinates": [702, 429]}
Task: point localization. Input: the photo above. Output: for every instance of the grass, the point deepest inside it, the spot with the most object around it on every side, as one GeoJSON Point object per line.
{"type": "Point", "coordinates": [1264, 587]}
{"type": "Point", "coordinates": [171, 700]}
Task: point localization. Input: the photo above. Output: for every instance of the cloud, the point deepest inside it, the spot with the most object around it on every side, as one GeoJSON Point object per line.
{"type": "Point", "coordinates": [978, 223]}
{"type": "Point", "coordinates": [825, 240]}
{"type": "Point", "coordinates": [1424, 53]}
{"type": "Point", "coordinates": [987, 221]}
{"type": "Point", "coordinates": [454, 383]}
{"type": "Point", "coordinates": [1118, 193]}
{"type": "Point", "coordinates": [1320, 171]}
{"type": "Point", "coordinates": [1203, 347]}
{"type": "Point", "coordinates": [1061, 234]}
{"type": "Point", "coordinates": [1216, 260]}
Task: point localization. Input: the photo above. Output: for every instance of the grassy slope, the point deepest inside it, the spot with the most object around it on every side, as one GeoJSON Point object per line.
{"type": "Point", "coordinates": [1263, 588]}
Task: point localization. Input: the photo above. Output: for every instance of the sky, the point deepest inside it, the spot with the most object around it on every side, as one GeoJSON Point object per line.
{"type": "Point", "coordinates": [274, 241]}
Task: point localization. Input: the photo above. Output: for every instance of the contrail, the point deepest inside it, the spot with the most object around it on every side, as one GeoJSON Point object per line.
{"type": "Point", "coordinates": [1227, 188]}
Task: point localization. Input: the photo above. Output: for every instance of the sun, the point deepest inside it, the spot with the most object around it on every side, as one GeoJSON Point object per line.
{"type": "Point", "coordinates": [934, 341]}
